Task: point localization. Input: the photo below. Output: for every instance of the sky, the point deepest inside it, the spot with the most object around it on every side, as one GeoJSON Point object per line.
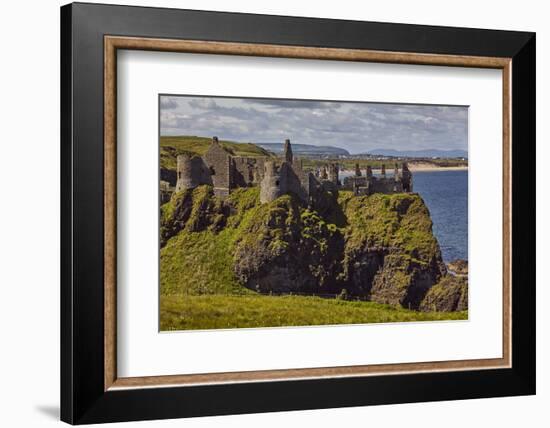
{"type": "Point", "coordinates": [356, 127]}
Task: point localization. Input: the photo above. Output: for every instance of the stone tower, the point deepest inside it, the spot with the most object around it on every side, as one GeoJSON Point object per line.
{"type": "Point", "coordinates": [333, 173]}
{"type": "Point", "coordinates": [270, 188]}
{"type": "Point", "coordinates": [369, 171]}
{"type": "Point", "coordinates": [185, 177]}
{"type": "Point", "coordinates": [383, 172]}
{"type": "Point", "coordinates": [191, 172]}
{"type": "Point", "coordinates": [221, 166]}
{"type": "Point", "coordinates": [288, 157]}
{"type": "Point", "coordinates": [406, 178]}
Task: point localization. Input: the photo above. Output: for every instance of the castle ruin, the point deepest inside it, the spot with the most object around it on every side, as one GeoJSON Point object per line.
{"type": "Point", "coordinates": [400, 182]}
{"type": "Point", "coordinates": [218, 168]}
{"type": "Point", "coordinates": [224, 171]}
{"type": "Point", "coordinates": [289, 176]}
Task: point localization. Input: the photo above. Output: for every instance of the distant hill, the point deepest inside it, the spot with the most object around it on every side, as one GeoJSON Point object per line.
{"type": "Point", "coordinates": [428, 153]}
{"type": "Point", "coordinates": [304, 149]}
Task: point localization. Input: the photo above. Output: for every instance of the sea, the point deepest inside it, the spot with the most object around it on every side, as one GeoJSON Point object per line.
{"type": "Point", "coordinates": [445, 193]}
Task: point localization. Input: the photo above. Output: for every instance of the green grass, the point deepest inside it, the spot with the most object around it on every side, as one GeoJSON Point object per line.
{"type": "Point", "coordinates": [221, 311]}
{"type": "Point", "coordinates": [171, 147]}
{"type": "Point", "coordinates": [199, 287]}
{"type": "Point", "coordinates": [202, 262]}
{"type": "Point", "coordinates": [199, 263]}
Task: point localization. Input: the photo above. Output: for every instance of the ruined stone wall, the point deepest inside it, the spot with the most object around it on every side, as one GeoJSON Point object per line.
{"type": "Point", "coordinates": [259, 170]}
{"type": "Point", "coordinates": [221, 167]}
{"type": "Point", "coordinates": [165, 191]}
{"type": "Point", "coordinates": [333, 173]}
{"type": "Point", "coordinates": [369, 185]}
{"type": "Point", "coordinates": [385, 185]}
{"type": "Point", "coordinates": [247, 171]}
{"type": "Point", "coordinates": [243, 172]}
{"type": "Point", "coordinates": [295, 180]}
{"type": "Point", "coordinates": [353, 182]}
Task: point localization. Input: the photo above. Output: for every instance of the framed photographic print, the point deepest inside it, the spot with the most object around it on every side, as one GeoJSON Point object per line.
{"type": "Point", "coordinates": [266, 213]}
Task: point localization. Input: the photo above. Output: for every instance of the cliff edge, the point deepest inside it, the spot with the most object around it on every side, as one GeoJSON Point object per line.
{"type": "Point", "coordinates": [379, 248]}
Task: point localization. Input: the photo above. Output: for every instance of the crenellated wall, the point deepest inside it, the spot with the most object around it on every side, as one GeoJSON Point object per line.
{"type": "Point", "coordinates": [369, 184]}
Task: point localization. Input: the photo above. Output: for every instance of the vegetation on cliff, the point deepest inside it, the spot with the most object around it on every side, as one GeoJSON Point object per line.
{"type": "Point", "coordinates": [378, 248]}
{"type": "Point", "coordinates": [391, 254]}
{"type": "Point", "coordinates": [450, 294]}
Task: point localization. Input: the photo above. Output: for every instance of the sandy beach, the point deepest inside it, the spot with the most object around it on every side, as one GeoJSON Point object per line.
{"type": "Point", "coordinates": [424, 167]}
{"type": "Point", "coordinates": [429, 167]}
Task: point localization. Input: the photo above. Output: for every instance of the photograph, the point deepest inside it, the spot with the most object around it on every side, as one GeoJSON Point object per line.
{"type": "Point", "coordinates": [290, 212]}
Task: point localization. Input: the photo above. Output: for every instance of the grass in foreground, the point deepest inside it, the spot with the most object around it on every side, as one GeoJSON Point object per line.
{"type": "Point", "coordinates": [189, 312]}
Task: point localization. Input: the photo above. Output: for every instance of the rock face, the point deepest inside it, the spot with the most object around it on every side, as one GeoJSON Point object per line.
{"type": "Point", "coordinates": [451, 294]}
{"type": "Point", "coordinates": [391, 255]}
{"type": "Point", "coordinates": [379, 247]}
{"type": "Point", "coordinates": [288, 248]}
{"type": "Point", "coordinates": [459, 267]}
{"type": "Point", "coordinates": [384, 249]}
{"type": "Point", "coordinates": [193, 210]}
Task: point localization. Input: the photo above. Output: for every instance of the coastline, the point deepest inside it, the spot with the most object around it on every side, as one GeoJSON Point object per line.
{"type": "Point", "coordinates": [413, 168]}
{"type": "Point", "coordinates": [421, 168]}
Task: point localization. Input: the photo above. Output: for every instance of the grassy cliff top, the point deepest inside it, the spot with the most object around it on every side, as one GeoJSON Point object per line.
{"type": "Point", "coordinates": [171, 147]}
{"type": "Point", "coordinates": [213, 250]}
{"type": "Point", "coordinates": [397, 220]}
{"type": "Point", "coordinates": [210, 236]}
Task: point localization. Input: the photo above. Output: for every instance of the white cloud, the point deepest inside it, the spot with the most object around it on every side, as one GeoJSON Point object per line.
{"type": "Point", "coordinates": [357, 127]}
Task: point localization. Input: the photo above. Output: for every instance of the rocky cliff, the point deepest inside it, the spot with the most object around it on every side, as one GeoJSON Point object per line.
{"type": "Point", "coordinates": [379, 248]}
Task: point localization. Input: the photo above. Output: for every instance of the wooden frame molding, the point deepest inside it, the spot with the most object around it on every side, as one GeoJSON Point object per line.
{"type": "Point", "coordinates": [113, 43]}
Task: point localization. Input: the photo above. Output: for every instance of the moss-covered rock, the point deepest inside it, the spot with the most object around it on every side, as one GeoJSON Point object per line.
{"type": "Point", "coordinates": [391, 255]}
{"type": "Point", "coordinates": [449, 295]}
{"type": "Point", "coordinates": [193, 210]}
{"type": "Point", "coordinates": [286, 247]}
{"type": "Point", "coordinates": [378, 247]}
{"type": "Point", "coordinates": [458, 267]}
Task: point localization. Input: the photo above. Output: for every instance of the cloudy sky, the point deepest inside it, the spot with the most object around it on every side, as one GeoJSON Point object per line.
{"type": "Point", "coordinates": [357, 127]}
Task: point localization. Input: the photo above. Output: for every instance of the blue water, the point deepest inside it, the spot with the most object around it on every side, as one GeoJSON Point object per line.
{"type": "Point", "coordinates": [446, 195]}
